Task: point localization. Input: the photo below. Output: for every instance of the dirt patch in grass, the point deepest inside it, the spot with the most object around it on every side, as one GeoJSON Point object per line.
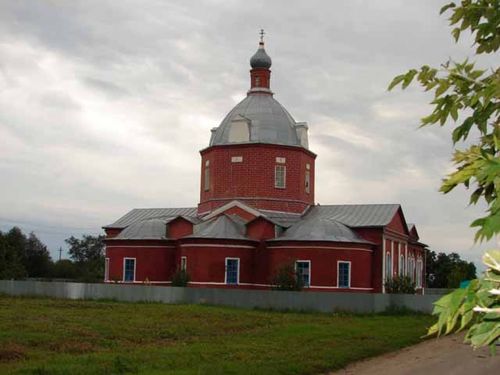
{"type": "Point", "coordinates": [12, 352]}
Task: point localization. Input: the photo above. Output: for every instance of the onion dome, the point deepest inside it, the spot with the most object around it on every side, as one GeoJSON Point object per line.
{"type": "Point", "coordinates": [261, 59]}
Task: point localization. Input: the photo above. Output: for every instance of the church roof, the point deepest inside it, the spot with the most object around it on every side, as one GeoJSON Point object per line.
{"type": "Point", "coordinates": [319, 228]}
{"type": "Point", "coordinates": [358, 215]}
{"type": "Point", "coordinates": [223, 227]}
{"type": "Point", "coordinates": [268, 122]}
{"type": "Point", "coordinates": [285, 219]}
{"type": "Point", "coordinates": [150, 229]}
{"type": "Point", "coordinates": [138, 214]}
{"type": "Point", "coordinates": [318, 223]}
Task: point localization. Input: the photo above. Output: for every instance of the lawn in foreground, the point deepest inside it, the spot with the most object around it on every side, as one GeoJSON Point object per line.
{"type": "Point", "coordinates": [53, 336]}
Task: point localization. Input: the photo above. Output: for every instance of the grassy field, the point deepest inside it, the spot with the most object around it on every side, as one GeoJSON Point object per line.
{"type": "Point", "coordinates": [50, 336]}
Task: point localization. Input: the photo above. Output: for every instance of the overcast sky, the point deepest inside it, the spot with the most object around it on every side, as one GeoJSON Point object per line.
{"type": "Point", "coordinates": [104, 106]}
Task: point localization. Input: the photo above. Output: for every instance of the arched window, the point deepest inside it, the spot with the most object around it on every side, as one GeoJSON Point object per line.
{"type": "Point", "coordinates": [206, 177]}
{"type": "Point", "coordinates": [419, 274]}
{"type": "Point", "coordinates": [411, 269]}
{"type": "Point", "coordinates": [307, 182]}
{"type": "Point", "coordinates": [388, 265]}
{"type": "Point", "coordinates": [401, 265]}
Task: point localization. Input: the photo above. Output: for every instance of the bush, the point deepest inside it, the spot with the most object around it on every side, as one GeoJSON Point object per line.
{"type": "Point", "coordinates": [65, 269]}
{"type": "Point", "coordinates": [180, 278]}
{"type": "Point", "coordinates": [400, 285]}
{"type": "Point", "coordinates": [286, 278]}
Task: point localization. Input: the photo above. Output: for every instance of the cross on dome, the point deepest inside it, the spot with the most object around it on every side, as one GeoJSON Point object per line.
{"type": "Point", "coordinates": [261, 59]}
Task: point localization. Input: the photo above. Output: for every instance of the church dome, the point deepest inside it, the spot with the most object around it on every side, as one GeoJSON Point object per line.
{"type": "Point", "coordinates": [260, 59]}
{"type": "Point", "coordinates": [258, 118]}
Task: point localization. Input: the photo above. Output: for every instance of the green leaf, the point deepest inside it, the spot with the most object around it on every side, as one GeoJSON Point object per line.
{"type": "Point", "coordinates": [446, 7]}
{"type": "Point", "coordinates": [395, 81]}
{"type": "Point", "coordinates": [408, 78]}
{"type": "Point", "coordinates": [492, 259]}
{"type": "Point", "coordinates": [443, 86]}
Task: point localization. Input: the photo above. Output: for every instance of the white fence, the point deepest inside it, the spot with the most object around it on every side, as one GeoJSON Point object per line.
{"type": "Point", "coordinates": [265, 299]}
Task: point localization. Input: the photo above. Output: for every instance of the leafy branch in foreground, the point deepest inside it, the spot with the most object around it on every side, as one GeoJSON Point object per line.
{"type": "Point", "coordinates": [470, 98]}
{"type": "Point", "coordinates": [477, 307]}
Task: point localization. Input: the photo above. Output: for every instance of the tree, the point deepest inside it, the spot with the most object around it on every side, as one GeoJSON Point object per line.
{"type": "Point", "coordinates": [37, 260]}
{"type": "Point", "coordinates": [286, 278]}
{"type": "Point", "coordinates": [88, 253]}
{"type": "Point", "coordinates": [470, 98]}
{"type": "Point", "coordinates": [180, 278]}
{"type": "Point", "coordinates": [399, 285]}
{"type": "Point", "coordinates": [65, 269]}
{"type": "Point", "coordinates": [11, 266]}
{"type": "Point", "coordinates": [447, 270]}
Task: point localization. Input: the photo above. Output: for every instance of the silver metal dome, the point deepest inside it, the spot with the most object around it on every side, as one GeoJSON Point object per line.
{"type": "Point", "coordinates": [259, 118]}
{"type": "Point", "coordinates": [260, 59]}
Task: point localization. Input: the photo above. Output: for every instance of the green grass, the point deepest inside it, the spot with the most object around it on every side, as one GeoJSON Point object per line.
{"type": "Point", "coordinates": [51, 336]}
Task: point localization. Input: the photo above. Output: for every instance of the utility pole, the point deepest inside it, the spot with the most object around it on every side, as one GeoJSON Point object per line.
{"type": "Point", "coordinates": [60, 253]}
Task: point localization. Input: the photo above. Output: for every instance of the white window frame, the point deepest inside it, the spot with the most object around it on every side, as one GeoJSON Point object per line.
{"type": "Point", "coordinates": [307, 182]}
{"type": "Point", "coordinates": [411, 267]}
{"type": "Point", "coordinates": [184, 263]}
{"type": "Point", "coordinates": [388, 266]}
{"type": "Point", "coordinates": [135, 269]}
{"type": "Point", "coordinates": [106, 269]}
{"type": "Point", "coordinates": [225, 270]}
{"type": "Point", "coordinates": [419, 269]}
{"type": "Point", "coordinates": [276, 185]}
{"type": "Point", "coordinates": [406, 259]}
{"type": "Point", "coordinates": [338, 274]}
{"type": "Point", "coordinates": [392, 259]}
{"type": "Point", "coordinates": [206, 176]}
{"type": "Point", "coordinates": [401, 264]}
{"type": "Point", "coordinates": [310, 270]}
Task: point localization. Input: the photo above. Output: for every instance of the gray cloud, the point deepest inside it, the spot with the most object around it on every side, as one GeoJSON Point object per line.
{"type": "Point", "coordinates": [104, 105]}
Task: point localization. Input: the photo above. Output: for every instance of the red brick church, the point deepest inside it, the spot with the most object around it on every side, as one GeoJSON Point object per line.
{"type": "Point", "coordinates": [257, 213]}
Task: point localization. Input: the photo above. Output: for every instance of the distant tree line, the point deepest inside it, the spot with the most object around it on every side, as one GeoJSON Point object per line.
{"type": "Point", "coordinates": [25, 256]}
{"type": "Point", "coordinates": [447, 270]}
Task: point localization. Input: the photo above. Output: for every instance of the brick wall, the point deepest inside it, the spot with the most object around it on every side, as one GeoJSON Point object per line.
{"type": "Point", "coordinates": [253, 179]}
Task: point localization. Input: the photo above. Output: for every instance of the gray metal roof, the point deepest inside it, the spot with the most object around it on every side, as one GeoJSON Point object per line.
{"type": "Point", "coordinates": [222, 226]}
{"type": "Point", "coordinates": [356, 215]}
{"type": "Point", "coordinates": [285, 219]}
{"type": "Point", "coordinates": [320, 229]}
{"type": "Point", "coordinates": [319, 223]}
{"type": "Point", "coordinates": [269, 122]}
{"type": "Point", "coordinates": [146, 229]}
{"type": "Point", "coordinates": [138, 214]}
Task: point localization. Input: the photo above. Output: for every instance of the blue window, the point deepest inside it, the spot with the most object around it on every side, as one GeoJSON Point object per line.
{"type": "Point", "coordinates": [129, 269]}
{"type": "Point", "coordinates": [344, 274]}
{"type": "Point", "coordinates": [303, 269]}
{"type": "Point", "coordinates": [232, 270]}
